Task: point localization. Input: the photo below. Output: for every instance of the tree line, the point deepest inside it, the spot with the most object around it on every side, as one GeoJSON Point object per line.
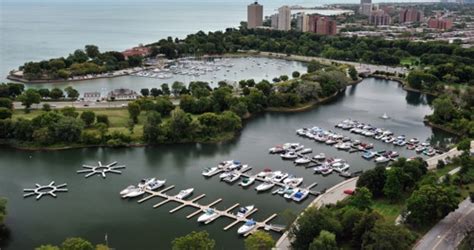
{"type": "Point", "coordinates": [79, 63]}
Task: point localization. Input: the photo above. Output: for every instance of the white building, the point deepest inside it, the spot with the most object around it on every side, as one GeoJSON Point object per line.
{"type": "Point", "coordinates": [92, 96]}
{"type": "Point", "coordinates": [274, 19]}
{"type": "Point", "coordinates": [122, 94]}
{"type": "Point", "coordinates": [284, 18]}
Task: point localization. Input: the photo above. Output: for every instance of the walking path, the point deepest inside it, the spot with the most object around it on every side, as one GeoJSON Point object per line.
{"type": "Point", "coordinates": [433, 161]}
{"type": "Point", "coordinates": [331, 196]}
{"type": "Point", "coordinates": [450, 231]}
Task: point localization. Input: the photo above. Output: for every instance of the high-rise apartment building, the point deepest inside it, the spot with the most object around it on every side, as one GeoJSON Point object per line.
{"type": "Point", "coordinates": [440, 23]}
{"type": "Point", "coordinates": [302, 22]}
{"type": "Point", "coordinates": [322, 25]}
{"type": "Point", "coordinates": [274, 21]}
{"type": "Point", "coordinates": [284, 18]}
{"type": "Point", "coordinates": [254, 15]}
{"type": "Point", "coordinates": [379, 17]}
{"type": "Point", "coordinates": [411, 15]}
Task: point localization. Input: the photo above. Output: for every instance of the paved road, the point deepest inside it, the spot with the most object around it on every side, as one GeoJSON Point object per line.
{"type": "Point", "coordinates": [449, 232]}
{"type": "Point", "coordinates": [332, 195]}
{"type": "Point", "coordinates": [433, 161]}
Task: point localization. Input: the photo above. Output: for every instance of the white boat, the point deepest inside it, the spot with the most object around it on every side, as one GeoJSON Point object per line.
{"type": "Point", "coordinates": [289, 155]}
{"type": "Point", "coordinates": [276, 150]}
{"type": "Point", "coordinates": [247, 181]}
{"type": "Point", "coordinates": [345, 174]}
{"type": "Point", "coordinates": [207, 215]}
{"type": "Point", "coordinates": [134, 193]}
{"type": "Point", "coordinates": [326, 171]}
{"type": "Point", "coordinates": [155, 185]}
{"type": "Point", "coordinates": [382, 159]}
{"type": "Point", "coordinates": [127, 190]}
{"type": "Point", "coordinates": [244, 211]}
{"type": "Point", "coordinates": [266, 172]}
{"type": "Point", "coordinates": [210, 171]}
{"type": "Point", "coordinates": [300, 195]}
{"type": "Point", "coordinates": [319, 157]}
{"type": "Point", "coordinates": [247, 227]}
{"type": "Point", "coordinates": [302, 160]}
{"type": "Point", "coordinates": [278, 176]}
{"type": "Point", "coordinates": [225, 174]}
{"type": "Point", "coordinates": [232, 177]}
{"type": "Point", "coordinates": [183, 194]}
{"type": "Point", "coordinates": [385, 116]}
{"type": "Point", "coordinates": [145, 182]}
{"type": "Point", "coordinates": [293, 181]}
{"type": "Point", "coordinates": [290, 192]}
{"type": "Point", "coordinates": [414, 141]}
{"type": "Point", "coordinates": [264, 186]}
{"type": "Point", "coordinates": [306, 151]}
{"type": "Point", "coordinates": [342, 168]}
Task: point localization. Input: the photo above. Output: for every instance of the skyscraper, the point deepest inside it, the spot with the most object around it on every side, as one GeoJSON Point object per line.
{"type": "Point", "coordinates": [284, 18]}
{"type": "Point", "coordinates": [322, 25]}
{"type": "Point", "coordinates": [379, 17]}
{"type": "Point", "coordinates": [302, 22]}
{"type": "Point", "coordinates": [254, 15]}
{"type": "Point", "coordinates": [411, 15]}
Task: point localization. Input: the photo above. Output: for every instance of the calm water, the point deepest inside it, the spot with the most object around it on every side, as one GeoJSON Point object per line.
{"type": "Point", "coordinates": [244, 68]}
{"type": "Point", "coordinates": [93, 208]}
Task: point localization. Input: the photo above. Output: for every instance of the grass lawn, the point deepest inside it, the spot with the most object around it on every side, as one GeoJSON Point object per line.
{"type": "Point", "coordinates": [389, 210]}
{"type": "Point", "coordinates": [410, 61]}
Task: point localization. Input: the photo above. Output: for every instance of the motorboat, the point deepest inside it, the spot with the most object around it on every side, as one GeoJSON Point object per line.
{"type": "Point", "coordinates": [278, 176]}
{"type": "Point", "coordinates": [378, 137]}
{"type": "Point", "coordinates": [425, 144]}
{"type": "Point", "coordinates": [368, 155]}
{"type": "Point", "coordinates": [344, 146]}
{"type": "Point", "coordinates": [300, 195]}
{"type": "Point", "coordinates": [247, 227]}
{"type": "Point", "coordinates": [392, 154]}
{"type": "Point", "coordinates": [127, 190]}
{"type": "Point", "coordinates": [290, 192]}
{"type": "Point", "coordinates": [232, 177]}
{"type": "Point", "coordinates": [429, 151]}
{"type": "Point", "coordinates": [264, 186]}
{"type": "Point", "coordinates": [302, 160]}
{"type": "Point", "coordinates": [236, 165]}
{"type": "Point", "coordinates": [210, 171]}
{"type": "Point", "coordinates": [277, 149]}
{"type": "Point", "coordinates": [342, 168]}
{"type": "Point", "coordinates": [293, 181]}
{"type": "Point", "coordinates": [289, 155]}
{"type": "Point", "coordinates": [306, 151]}
{"type": "Point", "coordinates": [247, 181]}
{"type": "Point", "coordinates": [330, 142]}
{"type": "Point", "coordinates": [414, 141]}
{"type": "Point", "coordinates": [385, 116]}
{"type": "Point", "coordinates": [382, 159]}
{"type": "Point", "coordinates": [326, 171]}
{"type": "Point", "coordinates": [244, 211]}
{"type": "Point", "coordinates": [266, 172]}
{"type": "Point", "coordinates": [420, 149]}
{"type": "Point", "coordinates": [345, 174]}
{"type": "Point", "coordinates": [183, 194]}
{"type": "Point", "coordinates": [390, 140]}
{"type": "Point", "coordinates": [207, 215]}
{"type": "Point", "coordinates": [145, 182]}
{"type": "Point", "coordinates": [411, 146]}
{"type": "Point", "coordinates": [134, 193]}
{"type": "Point", "coordinates": [319, 157]}
{"type": "Point", "coordinates": [155, 185]}
{"type": "Point", "coordinates": [225, 174]}
{"type": "Point", "coordinates": [225, 164]}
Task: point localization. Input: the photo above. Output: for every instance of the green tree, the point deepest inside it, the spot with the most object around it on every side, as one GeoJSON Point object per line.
{"type": "Point", "coordinates": [177, 88]}
{"type": "Point", "coordinates": [393, 188]}
{"type": "Point", "coordinates": [67, 129]}
{"type": "Point", "coordinates": [76, 244]}
{"type": "Point", "coordinates": [5, 113]}
{"type": "Point", "coordinates": [56, 94]}
{"type": "Point", "coordinates": [362, 199]}
{"type": "Point", "coordinates": [180, 126]}
{"type": "Point", "coordinates": [314, 66]}
{"type": "Point", "coordinates": [47, 247]}
{"type": "Point", "coordinates": [29, 97]}
{"type": "Point", "coordinates": [295, 74]}
{"type": "Point", "coordinates": [155, 92]}
{"type": "Point", "coordinates": [464, 145]}
{"type": "Point", "coordinates": [388, 236]}
{"type": "Point", "coordinates": [71, 93]}
{"type": "Point", "coordinates": [46, 107]}
{"type": "Point", "coordinates": [103, 119]}
{"type": "Point", "coordinates": [365, 224]}
{"type": "Point", "coordinates": [70, 111]}
{"type": "Point", "coordinates": [6, 103]}
{"type": "Point", "coordinates": [374, 180]}
{"type": "Point", "coordinates": [193, 241]}
{"type": "Point", "coordinates": [284, 77]}
{"type": "Point", "coordinates": [92, 51]}
{"type": "Point", "coordinates": [165, 89]}
{"type": "Point", "coordinates": [444, 110]}
{"type": "Point", "coordinates": [134, 111]}
{"type": "Point", "coordinates": [325, 241]}
{"type": "Point", "coordinates": [44, 93]}
{"type": "Point", "coordinates": [259, 241]}
{"type": "Point", "coordinates": [88, 117]}
{"type": "Point", "coordinates": [145, 92]}
{"type": "Point", "coordinates": [151, 129]}
{"type": "Point", "coordinates": [431, 203]}
{"type": "Point", "coordinates": [353, 73]}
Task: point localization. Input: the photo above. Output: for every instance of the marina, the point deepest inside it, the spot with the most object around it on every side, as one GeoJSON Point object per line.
{"type": "Point", "coordinates": [219, 213]}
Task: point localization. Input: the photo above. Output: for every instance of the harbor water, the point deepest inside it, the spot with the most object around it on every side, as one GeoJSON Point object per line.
{"type": "Point", "coordinates": [93, 208]}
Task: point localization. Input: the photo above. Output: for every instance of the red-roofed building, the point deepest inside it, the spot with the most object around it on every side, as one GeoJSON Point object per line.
{"type": "Point", "coordinates": [136, 51]}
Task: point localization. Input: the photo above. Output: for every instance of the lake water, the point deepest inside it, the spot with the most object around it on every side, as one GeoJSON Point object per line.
{"type": "Point", "coordinates": [93, 208]}
{"type": "Point", "coordinates": [243, 68]}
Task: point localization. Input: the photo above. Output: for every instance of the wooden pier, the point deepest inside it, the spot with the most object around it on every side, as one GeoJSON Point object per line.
{"type": "Point", "coordinates": [201, 208]}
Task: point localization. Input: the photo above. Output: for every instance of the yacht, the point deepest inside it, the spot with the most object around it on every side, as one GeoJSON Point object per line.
{"type": "Point", "coordinates": [326, 171]}
{"type": "Point", "coordinates": [265, 186]}
{"type": "Point", "coordinates": [155, 184]}
{"type": "Point", "coordinates": [319, 157]}
{"type": "Point", "coordinates": [293, 181]}
{"type": "Point", "coordinates": [210, 171]}
{"type": "Point", "coordinates": [244, 211]}
{"type": "Point", "coordinates": [290, 192]}
{"type": "Point", "coordinates": [232, 177]}
{"type": "Point", "coordinates": [183, 194]}
{"type": "Point", "coordinates": [343, 167]}
{"type": "Point", "coordinates": [247, 181]}
{"type": "Point", "coordinates": [279, 176]}
{"type": "Point", "coordinates": [302, 160]}
{"type": "Point", "coordinates": [247, 227]}
{"type": "Point", "coordinates": [382, 159]}
{"type": "Point", "coordinates": [207, 215]}
{"type": "Point", "coordinates": [306, 151]}
{"type": "Point", "coordinates": [127, 190]}
{"type": "Point", "coordinates": [134, 193]}
{"type": "Point", "coordinates": [300, 195]}
{"type": "Point", "coordinates": [145, 182]}
{"type": "Point", "coordinates": [277, 149]}
{"type": "Point", "coordinates": [289, 155]}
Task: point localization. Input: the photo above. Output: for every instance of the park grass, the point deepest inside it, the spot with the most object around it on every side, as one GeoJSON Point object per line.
{"type": "Point", "coordinates": [410, 61]}
{"type": "Point", "coordinates": [389, 210]}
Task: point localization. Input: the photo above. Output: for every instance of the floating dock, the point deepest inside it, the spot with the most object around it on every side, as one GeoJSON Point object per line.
{"type": "Point", "coordinates": [201, 208]}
